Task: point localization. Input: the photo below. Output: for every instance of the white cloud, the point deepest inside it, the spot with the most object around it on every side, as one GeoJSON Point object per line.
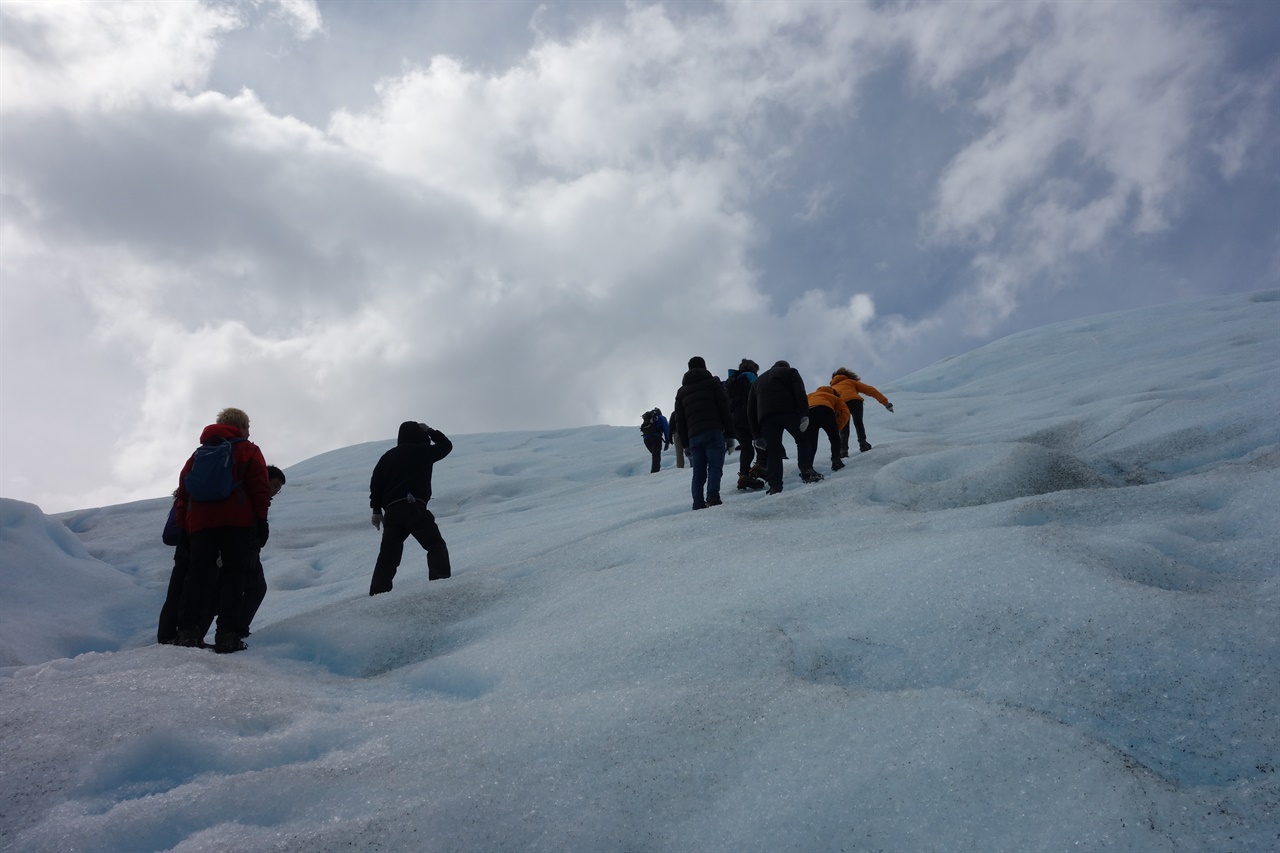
{"type": "Point", "coordinates": [98, 56]}
{"type": "Point", "coordinates": [302, 15]}
{"type": "Point", "coordinates": [1089, 129]}
{"type": "Point", "coordinates": [547, 243]}
{"type": "Point", "coordinates": [1251, 104]}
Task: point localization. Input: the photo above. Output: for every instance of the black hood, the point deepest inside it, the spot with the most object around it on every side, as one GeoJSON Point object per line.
{"type": "Point", "coordinates": [411, 432]}
{"type": "Point", "coordinates": [696, 374]}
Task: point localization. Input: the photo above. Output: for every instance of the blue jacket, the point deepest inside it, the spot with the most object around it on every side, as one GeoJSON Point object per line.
{"type": "Point", "coordinates": [664, 430]}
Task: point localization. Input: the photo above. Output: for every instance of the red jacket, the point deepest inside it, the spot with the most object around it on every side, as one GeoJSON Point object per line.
{"type": "Point", "coordinates": [248, 502]}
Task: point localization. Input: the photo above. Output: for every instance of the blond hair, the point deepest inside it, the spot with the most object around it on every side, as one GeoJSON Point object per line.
{"type": "Point", "coordinates": [233, 417]}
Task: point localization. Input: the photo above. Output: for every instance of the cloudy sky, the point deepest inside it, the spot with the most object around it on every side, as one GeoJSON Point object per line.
{"type": "Point", "coordinates": [518, 215]}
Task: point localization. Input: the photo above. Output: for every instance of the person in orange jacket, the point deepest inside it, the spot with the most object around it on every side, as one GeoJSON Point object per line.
{"type": "Point", "coordinates": [829, 414]}
{"type": "Point", "coordinates": [851, 388]}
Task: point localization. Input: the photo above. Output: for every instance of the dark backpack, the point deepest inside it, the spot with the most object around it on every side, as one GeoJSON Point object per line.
{"type": "Point", "coordinates": [649, 422]}
{"type": "Point", "coordinates": [172, 534]}
{"type": "Point", "coordinates": [211, 477]}
{"type": "Point", "coordinates": [738, 387]}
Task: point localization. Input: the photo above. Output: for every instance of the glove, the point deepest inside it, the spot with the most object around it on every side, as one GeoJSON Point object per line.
{"type": "Point", "coordinates": [263, 530]}
{"type": "Point", "coordinates": [376, 521]}
{"type": "Point", "coordinates": [759, 444]}
{"type": "Point", "coordinates": [804, 424]}
{"type": "Point", "coordinates": [889, 406]}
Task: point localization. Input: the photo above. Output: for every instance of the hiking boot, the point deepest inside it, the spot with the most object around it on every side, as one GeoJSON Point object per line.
{"type": "Point", "coordinates": [773, 491]}
{"type": "Point", "coordinates": [810, 476]}
{"type": "Point", "coordinates": [225, 644]}
{"type": "Point", "coordinates": [714, 500]}
{"type": "Point", "coordinates": [189, 640]}
{"type": "Point", "coordinates": [863, 447]}
{"type": "Point", "coordinates": [836, 464]}
{"type": "Point", "coordinates": [747, 483]}
{"type": "Point", "coordinates": [757, 472]}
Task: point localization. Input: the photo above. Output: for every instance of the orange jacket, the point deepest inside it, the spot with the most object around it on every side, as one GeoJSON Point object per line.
{"type": "Point", "coordinates": [827, 396]}
{"type": "Point", "coordinates": [851, 389]}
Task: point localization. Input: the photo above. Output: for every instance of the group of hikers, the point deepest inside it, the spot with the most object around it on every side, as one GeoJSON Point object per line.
{"type": "Point", "coordinates": [218, 525]}
{"type": "Point", "coordinates": [218, 522]}
{"type": "Point", "coordinates": [752, 410]}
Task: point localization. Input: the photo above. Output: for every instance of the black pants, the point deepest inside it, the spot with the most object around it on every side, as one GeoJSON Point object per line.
{"type": "Point", "coordinates": [255, 590]}
{"type": "Point", "coordinates": [400, 521]}
{"type": "Point", "coordinates": [821, 419]}
{"type": "Point", "coordinates": [209, 587]}
{"type": "Point", "coordinates": [654, 444]}
{"type": "Point", "coordinates": [855, 420]}
{"type": "Point", "coordinates": [771, 427]}
{"type": "Point", "coordinates": [746, 450]}
{"type": "Point", "coordinates": [167, 631]}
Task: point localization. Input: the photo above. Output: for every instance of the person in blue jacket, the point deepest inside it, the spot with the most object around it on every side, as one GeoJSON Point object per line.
{"type": "Point", "coordinates": [657, 436]}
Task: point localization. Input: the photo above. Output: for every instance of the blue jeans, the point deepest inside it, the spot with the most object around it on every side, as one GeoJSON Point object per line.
{"type": "Point", "coordinates": [706, 452]}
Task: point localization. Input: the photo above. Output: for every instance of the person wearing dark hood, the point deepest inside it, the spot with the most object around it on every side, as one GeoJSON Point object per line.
{"type": "Point", "coordinates": [705, 425]}
{"type": "Point", "coordinates": [778, 402]}
{"type": "Point", "coordinates": [398, 493]}
{"type": "Point", "coordinates": [255, 580]}
{"type": "Point", "coordinates": [738, 387]}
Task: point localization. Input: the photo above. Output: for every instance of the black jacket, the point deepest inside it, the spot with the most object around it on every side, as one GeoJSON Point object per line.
{"type": "Point", "coordinates": [739, 390]}
{"type": "Point", "coordinates": [779, 390]}
{"type": "Point", "coordinates": [701, 404]}
{"type": "Point", "coordinates": [406, 468]}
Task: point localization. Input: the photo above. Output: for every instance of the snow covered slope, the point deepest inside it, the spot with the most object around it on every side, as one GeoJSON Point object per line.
{"type": "Point", "coordinates": [1041, 614]}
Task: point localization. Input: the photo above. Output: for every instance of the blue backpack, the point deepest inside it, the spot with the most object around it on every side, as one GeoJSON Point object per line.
{"type": "Point", "coordinates": [211, 477]}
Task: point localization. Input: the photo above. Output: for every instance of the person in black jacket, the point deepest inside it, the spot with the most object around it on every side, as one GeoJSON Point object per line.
{"type": "Point", "coordinates": [738, 387]}
{"type": "Point", "coordinates": [398, 493]}
{"type": "Point", "coordinates": [705, 426]}
{"type": "Point", "coordinates": [778, 402]}
{"type": "Point", "coordinates": [255, 579]}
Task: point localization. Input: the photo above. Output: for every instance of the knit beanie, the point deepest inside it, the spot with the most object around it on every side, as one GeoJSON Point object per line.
{"type": "Point", "coordinates": [697, 361]}
{"type": "Point", "coordinates": [748, 366]}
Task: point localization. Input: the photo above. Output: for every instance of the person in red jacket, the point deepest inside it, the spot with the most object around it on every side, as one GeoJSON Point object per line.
{"type": "Point", "coordinates": [232, 528]}
{"type": "Point", "coordinates": [255, 582]}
